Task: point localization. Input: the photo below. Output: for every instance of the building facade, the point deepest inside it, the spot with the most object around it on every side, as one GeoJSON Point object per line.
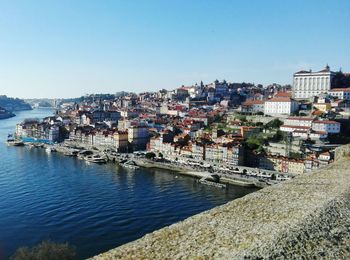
{"type": "Point", "coordinates": [280, 106]}
{"type": "Point", "coordinates": [307, 84]}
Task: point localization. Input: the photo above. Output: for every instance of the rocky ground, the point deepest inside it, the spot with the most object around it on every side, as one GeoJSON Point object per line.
{"type": "Point", "coordinates": [307, 217]}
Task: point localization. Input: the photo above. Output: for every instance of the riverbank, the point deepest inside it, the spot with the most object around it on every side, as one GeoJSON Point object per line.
{"type": "Point", "coordinates": [4, 114]}
{"type": "Point", "coordinates": [196, 174]}
{"type": "Point", "coordinates": [134, 161]}
{"type": "Point", "coordinates": [243, 176]}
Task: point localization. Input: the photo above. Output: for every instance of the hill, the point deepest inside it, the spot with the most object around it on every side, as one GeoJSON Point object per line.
{"type": "Point", "coordinates": [13, 104]}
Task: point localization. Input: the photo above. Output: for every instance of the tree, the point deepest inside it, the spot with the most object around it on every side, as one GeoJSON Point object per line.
{"type": "Point", "coordinates": [255, 142]}
{"type": "Point", "coordinates": [241, 118]}
{"type": "Point", "coordinates": [47, 250]}
{"type": "Point", "coordinates": [150, 155]}
{"type": "Point", "coordinates": [160, 155]}
{"type": "Point", "coordinates": [340, 80]}
{"type": "Point", "coordinates": [274, 124]}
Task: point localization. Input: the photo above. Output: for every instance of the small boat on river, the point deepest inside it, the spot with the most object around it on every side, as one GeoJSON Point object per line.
{"type": "Point", "coordinates": [95, 159]}
{"type": "Point", "coordinates": [13, 142]}
{"type": "Point", "coordinates": [50, 149]}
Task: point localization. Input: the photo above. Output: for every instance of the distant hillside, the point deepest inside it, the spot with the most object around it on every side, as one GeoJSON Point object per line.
{"type": "Point", "coordinates": [5, 114]}
{"type": "Point", "coordinates": [13, 104]}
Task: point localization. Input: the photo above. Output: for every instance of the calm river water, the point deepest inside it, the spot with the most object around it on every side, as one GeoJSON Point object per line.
{"type": "Point", "coordinates": [93, 207]}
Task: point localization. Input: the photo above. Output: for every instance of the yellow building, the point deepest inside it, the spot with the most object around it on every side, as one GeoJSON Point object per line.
{"type": "Point", "coordinates": [121, 140]}
{"type": "Point", "coordinates": [323, 106]}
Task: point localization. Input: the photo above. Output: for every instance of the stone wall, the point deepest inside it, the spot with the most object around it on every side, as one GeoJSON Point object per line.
{"type": "Point", "coordinates": [342, 152]}
{"type": "Point", "coordinates": [307, 217]}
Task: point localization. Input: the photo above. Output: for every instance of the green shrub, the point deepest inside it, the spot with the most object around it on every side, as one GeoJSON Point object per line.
{"type": "Point", "coordinates": [46, 250]}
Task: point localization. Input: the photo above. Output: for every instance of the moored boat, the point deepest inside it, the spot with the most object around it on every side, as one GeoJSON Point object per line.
{"type": "Point", "coordinates": [50, 149]}
{"type": "Point", "coordinates": [13, 142]}
{"type": "Point", "coordinates": [95, 159]}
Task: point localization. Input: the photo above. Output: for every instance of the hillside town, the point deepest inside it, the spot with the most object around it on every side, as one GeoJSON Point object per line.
{"type": "Point", "coordinates": [288, 129]}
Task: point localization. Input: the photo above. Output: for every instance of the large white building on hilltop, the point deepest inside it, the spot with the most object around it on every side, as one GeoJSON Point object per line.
{"type": "Point", "coordinates": [308, 84]}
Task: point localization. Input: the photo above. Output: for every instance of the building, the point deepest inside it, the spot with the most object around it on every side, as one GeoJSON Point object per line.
{"type": "Point", "coordinates": [299, 121]}
{"type": "Point", "coordinates": [280, 106]}
{"type": "Point", "coordinates": [121, 141]}
{"type": "Point", "coordinates": [305, 127]}
{"type": "Point", "coordinates": [282, 164]}
{"type": "Point", "coordinates": [253, 106]}
{"type": "Point", "coordinates": [34, 131]}
{"type": "Point", "coordinates": [229, 154]}
{"type": "Point", "coordinates": [307, 84]}
{"type": "Point", "coordinates": [331, 127]}
{"type": "Point", "coordinates": [138, 137]}
{"type": "Point", "coordinates": [324, 107]}
{"type": "Point", "coordinates": [340, 93]}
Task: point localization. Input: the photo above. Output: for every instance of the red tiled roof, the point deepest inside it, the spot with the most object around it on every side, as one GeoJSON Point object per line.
{"type": "Point", "coordinates": [295, 126]}
{"type": "Point", "coordinates": [320, 132]}
{"type": "Point", "coordinates": [303, 71]}
{"type": "Point", "coordinates": [300, 118]}
{"type": "Point", "coordinates": [317, 112]}
{"type": "Point", "coordinates": [284, 94]}
{"type": "Point", "coordinates": [340, 90]}
{"type": "Point", "coordinates": [253, 102]}
{"type": "Point", "coordinates": [299, 131]}
{"type": "Point", "coordinates": [280, 99]}
{"type": "Point", "coordinates": [326, 122]}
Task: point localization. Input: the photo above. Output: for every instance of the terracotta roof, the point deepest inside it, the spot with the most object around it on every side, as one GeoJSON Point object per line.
{"type": "Point", "coordinates": [340, 90]}
{"type": "Point", "coordinates": [317, 112]}
{"type": "Point", "coordinates": [303, 71]}
{"type": "Point", "coordinates": [300, 118]}
{"type": "Point", "coordinates": [280, 99]}
{"type": "Point", "coordinates": [295, 126]}
{"type": "Point", "coordinates": [253, 102]}
{"type": "Point", "coordinates": [320, 132]}
{"type": "Point", "coordinates": [299, 131]}
{"type": "Point", "coordinates": [284, 94]}
{"type": "Point", "coordinates": [326, 122]}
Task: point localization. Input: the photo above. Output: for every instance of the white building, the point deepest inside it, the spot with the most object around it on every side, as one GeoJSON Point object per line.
{"type": "Point", "coordinates": [308, 84]}
{"type": "Point", "coordinates": [253, 106]}
{"type": "Point", "coordinates": [328, 126]}
{"type": "Point", "coordinates": [299, 121]}
{"type": "Point", "coordinates": [293, 128]}
{"type": "Point", "coordinates": [280, 106]}
{"type": "Point", "coordinates": [340, 93]}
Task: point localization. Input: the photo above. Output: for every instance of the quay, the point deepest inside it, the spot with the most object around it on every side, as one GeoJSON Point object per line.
{"type": "Point", "coordinates": [240, 176]}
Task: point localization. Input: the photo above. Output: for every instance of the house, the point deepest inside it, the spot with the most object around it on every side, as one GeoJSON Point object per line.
{"type": "Point", "coordinates": [340, 93]}
{"type": "Point", "coordinates": [253, 106]}
{"type": "Point", "coordinates": [282, 164]}
{"type": "Point", "coordinates": [331, 127]}
{"type": "Point", "coordinates": [299, 121]}
{"type": "Point", "coordinates": [280, 106]}
{"type": "Point", "coordinates": [138, 137]}
{"type": "Point", "coordinates": [121, 141]}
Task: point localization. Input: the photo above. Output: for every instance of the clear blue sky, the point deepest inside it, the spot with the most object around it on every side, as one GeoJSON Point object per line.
{"type": "Point", "coordinates": [67, 48]}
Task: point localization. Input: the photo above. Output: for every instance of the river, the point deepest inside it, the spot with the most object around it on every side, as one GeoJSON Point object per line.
{"type": "Point", "coordinates": [92, 207]}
